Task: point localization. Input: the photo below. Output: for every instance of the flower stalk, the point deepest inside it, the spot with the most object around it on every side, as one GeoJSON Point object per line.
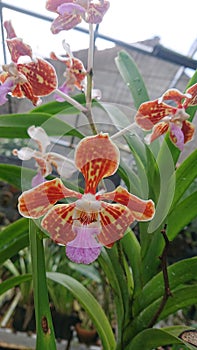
{"type": "Point", "coordinates": [123, 131]}
{"type": "Point", "coordinates": [71, 100]}
{"type": "Point", "coordinates": [90, 63]}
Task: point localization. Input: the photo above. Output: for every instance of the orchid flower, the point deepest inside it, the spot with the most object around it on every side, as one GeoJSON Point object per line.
{"type": "Point", "coordinates": [72, 12]}
{"type": "Point", "coordinates": [89, 222]}
{"type": "Point", "coordinates": [31, 79]}
{"type": "Point", "coordinates": [161, 117]}
{"type": "Point", "coordinates": [75, 72]}
{"type": "Point", "coordinates": [44, 160]}
{"type": "Point", "coordinates": [75, 75]}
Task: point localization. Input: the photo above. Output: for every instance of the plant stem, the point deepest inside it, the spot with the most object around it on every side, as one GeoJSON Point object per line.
{"type": "Point", "coordinates": [90, 63]}
{"type": "Point", "coordinates": [71, 100]}
{"type": "Point", "coordinates": [167, 292]}
{"type": "Point", "coordinates": [123, 131]}
{"type": "Point", "coordinates": [44, 326]}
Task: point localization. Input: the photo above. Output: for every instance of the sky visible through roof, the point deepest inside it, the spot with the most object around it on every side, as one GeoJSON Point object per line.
{"type": "Point", "coordinates": [126, 20]}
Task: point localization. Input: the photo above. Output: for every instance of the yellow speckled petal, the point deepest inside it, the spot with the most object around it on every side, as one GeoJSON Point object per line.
{"type": "Point", "coordinates": [58, 222]}
{"type": "Point", "coordinates": [41, 76]}
{"type": "Point", "coordinates": [142, 210]}
{"type": "Point", "coordinates": [114, 219]}
{"type": "Point", "coordinates": [96, 157]}
{"type": "Point", "coordinates": [150, 113]}
{"type": "Point", "coordinates": [36, 202]}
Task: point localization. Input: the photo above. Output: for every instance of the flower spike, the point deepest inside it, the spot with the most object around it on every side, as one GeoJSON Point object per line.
{"type": "Point", "coordinates": [89, 222]}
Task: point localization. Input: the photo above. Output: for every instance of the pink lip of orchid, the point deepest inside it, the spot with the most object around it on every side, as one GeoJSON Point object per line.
{"type": "Point", "coordinates": [161, 117]}
{"type": "Point", "coordinates": [32, 79]}
{"type": "Point", "coordinates": [45, 160]}
{"type": "Point", "coordinates": [90, 222]}
{"type": "Point", "coordinates": [72, 12]}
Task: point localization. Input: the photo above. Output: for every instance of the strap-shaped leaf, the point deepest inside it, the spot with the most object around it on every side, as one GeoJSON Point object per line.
{"type": "Point", "coordinates": [132, 77]}
{"type": "Point", "coordinates": [14, 281]}
{"type": "Point", "coordinates": [16, 125]}
{"type": "Point", "coordinates": [185, 175]}
{"type": "Point", "coordinates": [154, 338]}
{"type": "Point", "coordinates": [182, 215]}
{"type": "Point", "coordinates": [44, 326]}
{"type": "Point", "coordinates": [179, 273]}
{"type": "Point", "coordinates": [132, 250]}
{"type": "Point", "coordinates": [21, 177]}
{"type": "Point", "coordinates": [181, 297]}
{"type": "Point", "coordinates": [13, 238]}
{"type": "Point", "coordinates": [12, 175]}
{"type": "Point", "coordinates": [91, 306]}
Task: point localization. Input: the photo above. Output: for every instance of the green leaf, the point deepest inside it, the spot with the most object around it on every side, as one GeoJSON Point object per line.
{"type": "Point", "coordinates": [139, 154]}
{"type": "Point", "coordinates": [11, 174]}
{"type": "Point", "coordinates": [16, 125]}
{"type": "Point", "coordinates": [91, 306]}
{"type": "Point", "coordinates": [185, 175]}
{"type": "Point", "coordinates": [21, 177]}
{"type": "Point", "coordinates": [179, 273]}
{"type": "Point", "coordinates": [132, 77]}
{"type": "Point", "coordinates": [13, 282]}
{"type": "Point", "coordinates": [164, 182]}
{"type": "Point", "coordinates": [129, 177]}
{"type": "Point", "coordinates": [45, 338]}
{"type": "Point", "coordinates": [182, 297]}
{"type": "Point", "coordinates": [152, 338]}
{"type": "Point", "coordinates": [107, 266]}
{"type": "Point", "coordinates": [88, 271]}
{"type": "Point", "coordinates": [132, 250]}
{"type": "Point", "coordinates": [192, 110]}
{"type": "Point", "coordinates": [13, 238]}
{"type": "Point", "coordinates": [182, 215]}
{"type": "Point", "coordinates": [166, 174]}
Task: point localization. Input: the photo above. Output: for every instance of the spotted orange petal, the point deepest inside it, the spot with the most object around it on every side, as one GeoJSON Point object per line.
{"type": "Point", "coordinates": [188, 130]}
{"type": "Point", "coordinates": [114, 219]}
{"type": "Point", "coordinates": [36, 202]}
{"type": "Point", "coordinates": [41, 76]}
{"type": "Point", "coordinates": [150, 113]}
{"type": "Point", "coordinates": [191, 101]}
{"type": "Point", "coordinates": [157, 131]}
{"type": "Point", "coordinates": [141, 210]}
{"type": "Point", "coordinates": [58, 222]}
{"type": "Point", "coordinates": [96, 157]}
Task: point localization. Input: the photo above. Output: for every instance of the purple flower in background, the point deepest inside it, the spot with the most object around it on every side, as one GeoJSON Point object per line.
{"type": "Point", "coordinates": [5, 88]}
{"type": "Point", "coordinates": [72, 12]}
